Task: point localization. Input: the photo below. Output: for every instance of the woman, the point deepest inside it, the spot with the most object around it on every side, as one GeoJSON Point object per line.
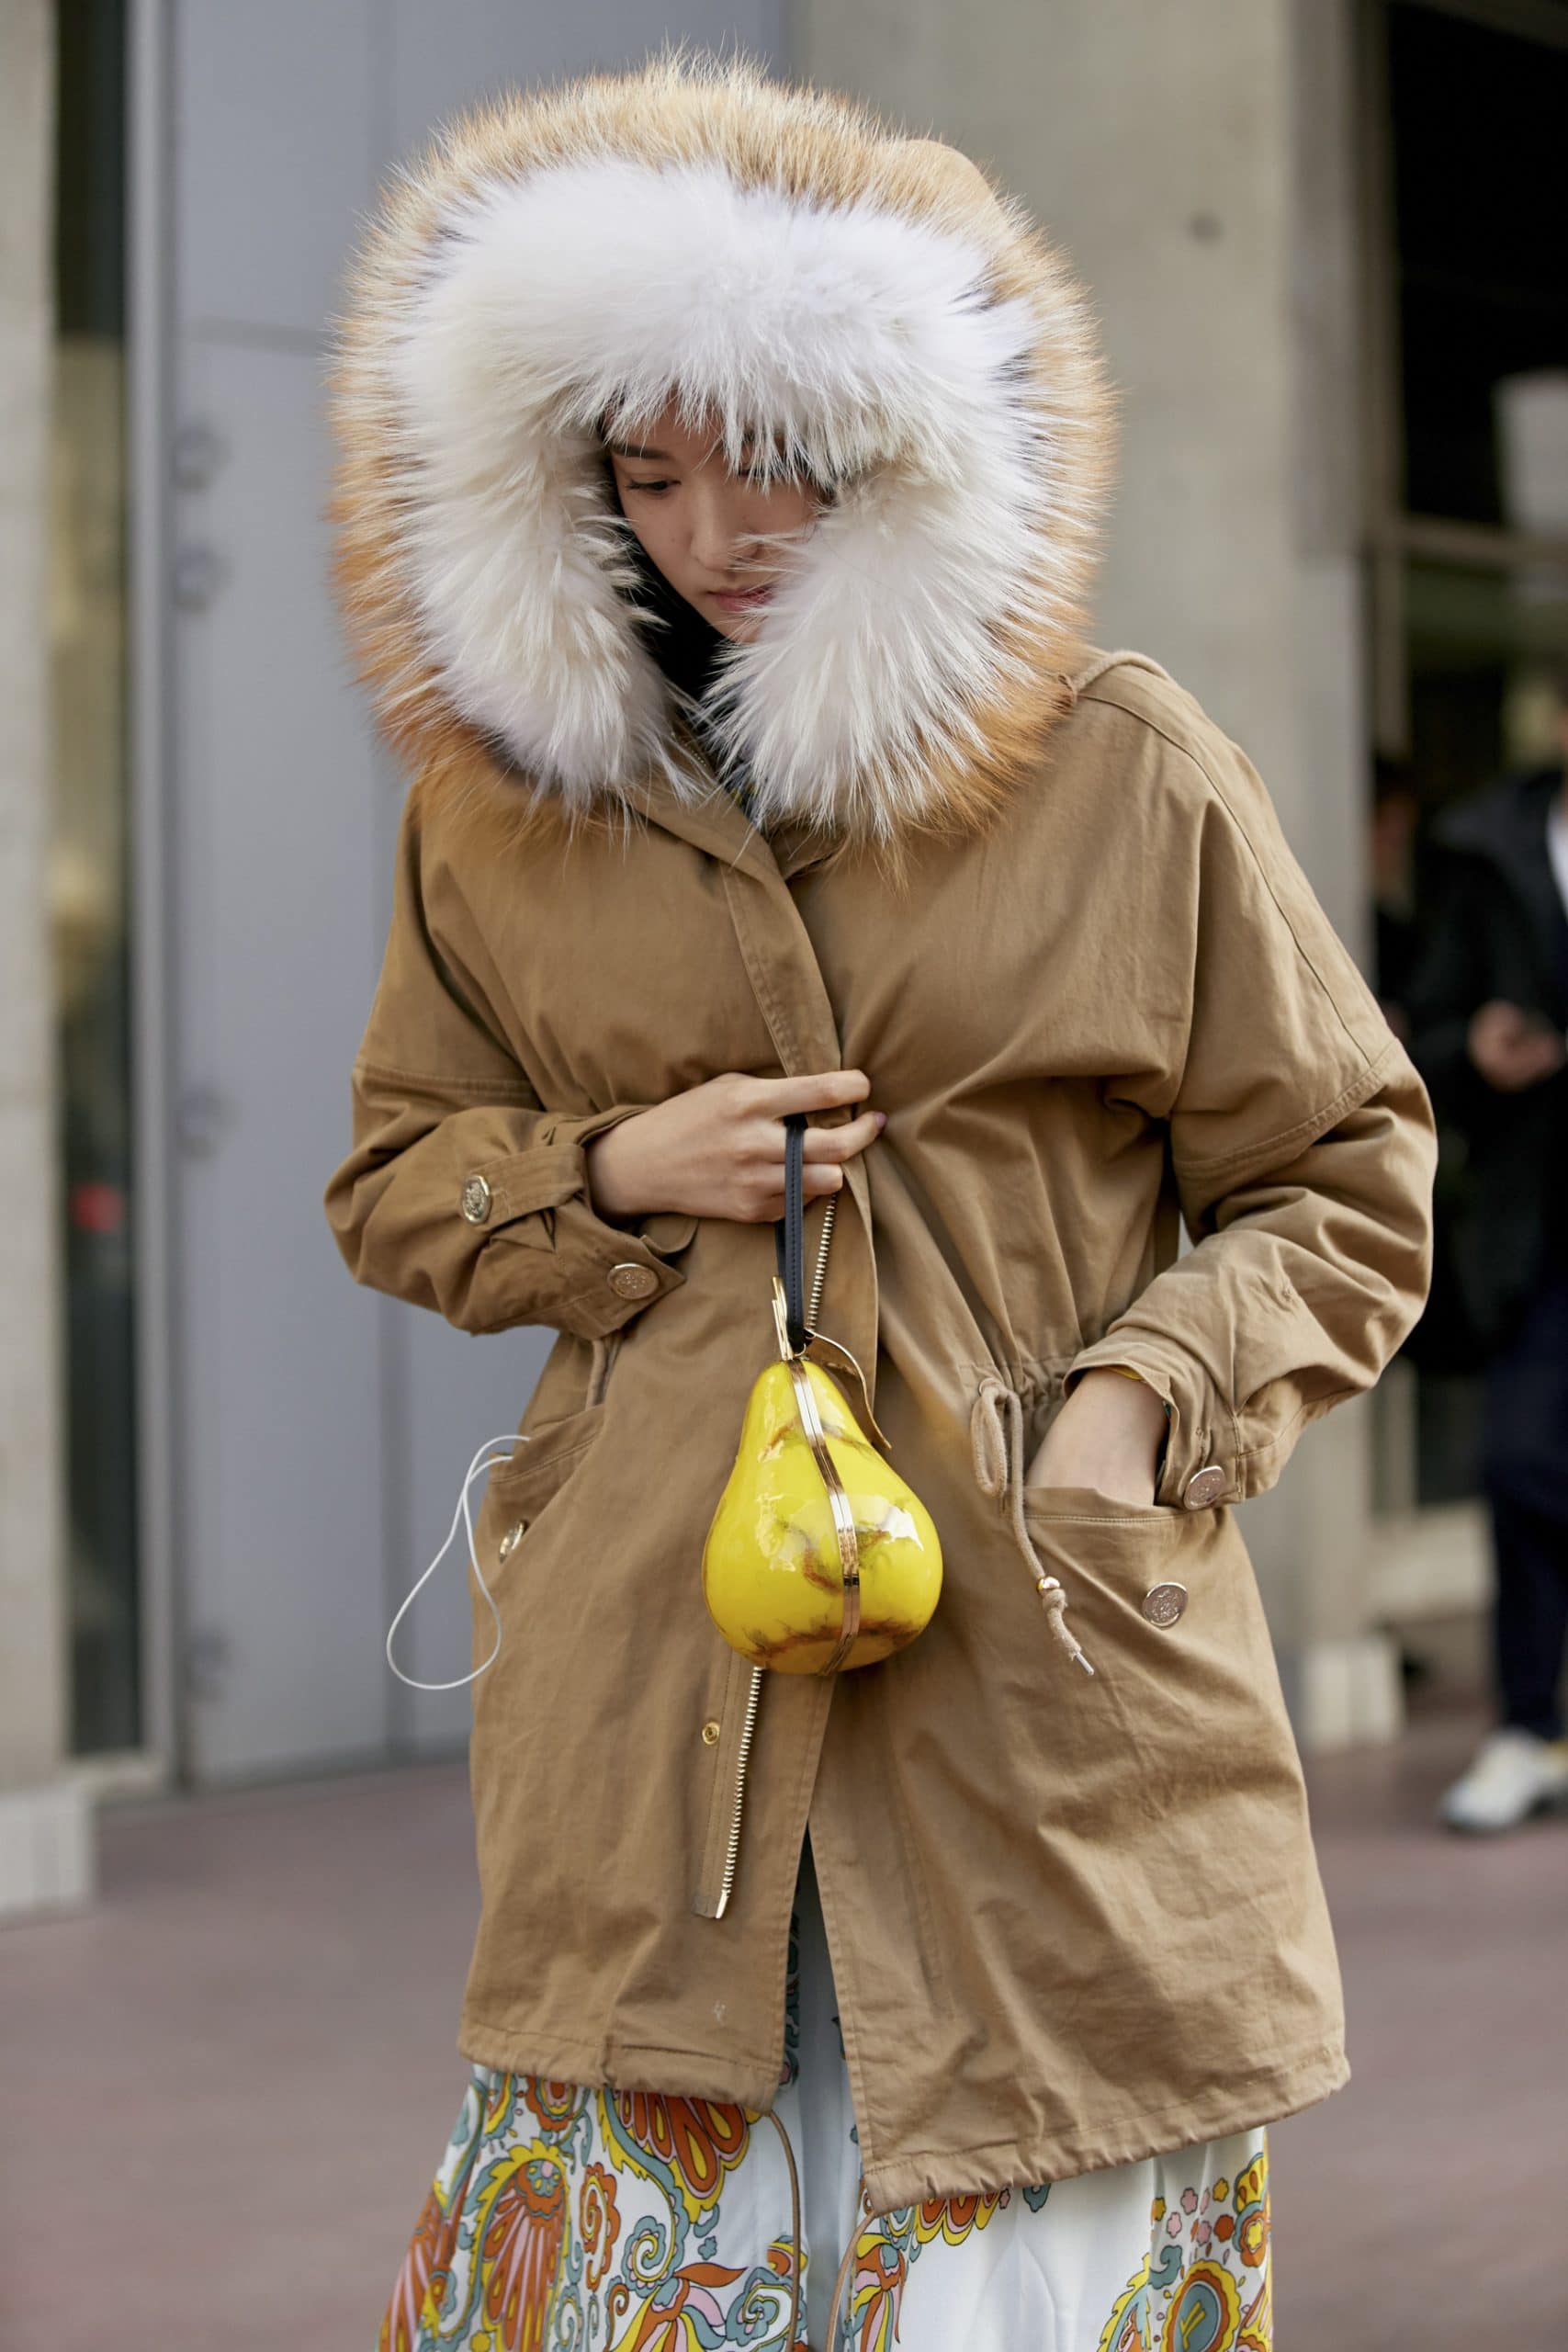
{"type": "Point", "coordinates": [1015, 924]}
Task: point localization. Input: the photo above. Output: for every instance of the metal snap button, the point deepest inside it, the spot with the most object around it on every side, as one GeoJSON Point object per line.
{"type": "Point", "coordinates": [710, 1734]}
{"type": "Point", "coordinates": [511, 1540]}
{"type": "Point", "coordinates": [475, 1200]}
{"type": "Point", "coordinates": [1204, 1487]}
{"type": "Point", "coordinates": [631, 1279]}
{"type": "Point", "coordinates": [1163, 1603]}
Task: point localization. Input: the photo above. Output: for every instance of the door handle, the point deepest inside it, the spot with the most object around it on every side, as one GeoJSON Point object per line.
{"type": "Point", "coordinates": [201, 1117]}
{"type": "Point", "coordinates": [195, 455]}
{"type": "Point", "coordinates": [197, 576]}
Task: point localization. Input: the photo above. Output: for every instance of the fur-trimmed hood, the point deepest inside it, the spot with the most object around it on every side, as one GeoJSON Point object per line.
{"type": "Point", "coordinates": [778, 255]}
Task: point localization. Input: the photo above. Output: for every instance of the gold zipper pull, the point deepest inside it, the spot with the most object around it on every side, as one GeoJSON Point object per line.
{"type": "Point", "coordinates": [781, 1320]}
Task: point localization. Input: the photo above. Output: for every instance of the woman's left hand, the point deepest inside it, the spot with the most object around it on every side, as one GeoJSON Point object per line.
{"type": "Point", "coordinates": [1106, 1434]}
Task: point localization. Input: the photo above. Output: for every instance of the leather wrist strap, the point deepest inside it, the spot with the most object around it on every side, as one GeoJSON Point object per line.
{"type": "Point", "coordinates": [789, 1230]}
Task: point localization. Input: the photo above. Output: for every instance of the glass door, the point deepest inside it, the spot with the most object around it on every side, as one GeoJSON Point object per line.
{"type": "Point", "coordinates": [89, 869]}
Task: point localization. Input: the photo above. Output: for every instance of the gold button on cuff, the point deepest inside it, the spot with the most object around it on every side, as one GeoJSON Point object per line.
{"type": "Point", "coordinates": [710, 1734]}
{"type": "Point", "coordinates": [475, 1200]}
{"type": "Point", "coordinates": [1204, 1487]}
{"type": "Point", "coordinates": [632, 1281]}
{"type": "Point", "coordinates": [511, 1540]}
{"type": "Point", "coordinates": [1163, 1603]}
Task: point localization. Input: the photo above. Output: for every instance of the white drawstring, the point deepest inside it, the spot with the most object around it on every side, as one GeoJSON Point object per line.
{"type": "Point", "coordinates": [998, 1467]}
{"type": "Point", "coordinates": [513, 1439]}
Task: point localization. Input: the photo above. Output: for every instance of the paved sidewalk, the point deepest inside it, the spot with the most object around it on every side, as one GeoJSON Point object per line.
{"type": "Point", "coordinates": [1420, 2208]}
{"type": "Point", "coordinates": [223, 2094]}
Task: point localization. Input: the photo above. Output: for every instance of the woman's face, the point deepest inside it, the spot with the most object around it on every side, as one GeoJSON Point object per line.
{"type": "Point", "coordinates": [715, 536]}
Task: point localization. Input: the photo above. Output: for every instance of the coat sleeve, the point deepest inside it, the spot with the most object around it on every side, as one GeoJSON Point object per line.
{"type": "Point", "coordinates": [443, 1114]}
{"type": "Point", "coordinates": [1303, 1147]}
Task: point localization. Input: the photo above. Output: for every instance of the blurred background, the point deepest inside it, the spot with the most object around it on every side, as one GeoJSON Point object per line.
{"type": "Point", "coordinates": [1325, 240]}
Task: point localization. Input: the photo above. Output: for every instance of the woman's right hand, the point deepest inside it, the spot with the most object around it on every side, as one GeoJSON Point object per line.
{"type": "Point", "coordinates": [1514, 1046]}
{"type": "Point", "coordinates": [718, 1149]}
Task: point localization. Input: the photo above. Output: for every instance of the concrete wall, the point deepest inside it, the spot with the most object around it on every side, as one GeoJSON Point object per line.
{"type": "Point", "coordinates": [1195, 163]}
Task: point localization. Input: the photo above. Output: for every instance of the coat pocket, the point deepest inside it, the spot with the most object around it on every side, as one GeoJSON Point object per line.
{"type": "Point", "coordinates": [1133, 1571]}
{"type": "Point", "coordinates": [545, 1458]}
{"type": "Point", "coordinates": [518, 1492]}
{"type": "Point", "coordinates": [1072, 1502]}
{"type": "Point", "coordinates": [1168, 1787]}
{"type": "Point", "coordinates": [1165, 1603]}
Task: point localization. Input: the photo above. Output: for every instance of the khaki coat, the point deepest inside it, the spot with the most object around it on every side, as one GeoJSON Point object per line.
{"type": "Point", "coordinates": [1074, 1918]}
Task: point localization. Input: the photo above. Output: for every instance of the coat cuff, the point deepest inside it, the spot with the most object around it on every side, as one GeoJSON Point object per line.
{"type": "Point", "coordinates": [1197, 1467]}
{"type": "Point", "coordinates": [540, 1199]}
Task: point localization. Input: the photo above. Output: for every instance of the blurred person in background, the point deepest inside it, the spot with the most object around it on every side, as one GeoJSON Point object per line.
{"type": "Point", "coordinates": [1396, 808]}
{"type": "Point", "coordinates": [1488, 1004]}
{"type": "Point", "coordinates": [721, 474]}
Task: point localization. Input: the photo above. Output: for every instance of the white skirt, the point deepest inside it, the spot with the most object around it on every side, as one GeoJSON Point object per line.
{"type": "Point", "coordinates": [630, 2221]}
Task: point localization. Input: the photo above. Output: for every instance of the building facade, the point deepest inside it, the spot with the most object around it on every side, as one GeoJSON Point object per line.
{"type": "Point", "coordinates": [1339, 520]}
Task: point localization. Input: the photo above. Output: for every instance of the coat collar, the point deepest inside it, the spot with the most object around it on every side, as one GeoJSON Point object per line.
{"type": "Point", "coordinates": [699, 809]}
{"type": "Point", "coordinates": [778, 256]}
{"type": "Point", "coordinates": [722, 828]}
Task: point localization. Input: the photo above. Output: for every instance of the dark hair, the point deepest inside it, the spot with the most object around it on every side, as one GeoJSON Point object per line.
{"type": "Point", "coordinates": [683, 643]}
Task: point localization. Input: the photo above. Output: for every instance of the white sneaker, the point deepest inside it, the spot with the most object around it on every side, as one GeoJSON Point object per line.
{"type": "Point", "coordinates": [1514, 1774]}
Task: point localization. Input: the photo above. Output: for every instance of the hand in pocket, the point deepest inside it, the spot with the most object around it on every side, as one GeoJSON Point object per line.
{"type": "Point", "coordinates": [1106, 1434]}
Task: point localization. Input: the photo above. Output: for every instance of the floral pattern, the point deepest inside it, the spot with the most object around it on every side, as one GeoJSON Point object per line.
{"type": "Point", "coordinates": [569, 2218]}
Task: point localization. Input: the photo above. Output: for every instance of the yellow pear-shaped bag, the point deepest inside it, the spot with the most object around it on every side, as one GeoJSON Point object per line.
{"type": "Point", "coordinates": [820, 1556]}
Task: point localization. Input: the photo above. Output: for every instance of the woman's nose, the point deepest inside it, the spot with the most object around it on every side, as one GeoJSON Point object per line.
{"type": "Point", "coordinates": [718, 537]}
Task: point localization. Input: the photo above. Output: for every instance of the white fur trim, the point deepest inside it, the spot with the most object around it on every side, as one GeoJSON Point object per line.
{"type": "Point", "coordinates": [872, 339]}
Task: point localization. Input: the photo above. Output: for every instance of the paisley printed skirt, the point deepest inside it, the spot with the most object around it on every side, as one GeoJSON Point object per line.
{"type": "Point", "coordinates": [624, 2221]}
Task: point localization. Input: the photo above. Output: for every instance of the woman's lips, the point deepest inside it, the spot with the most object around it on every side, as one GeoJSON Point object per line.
{"type": "Point", "coordinates": [741, 600]}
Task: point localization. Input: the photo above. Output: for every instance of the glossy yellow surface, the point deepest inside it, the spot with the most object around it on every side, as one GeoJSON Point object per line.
{"type": "Point", "coordinates": [771, 1571]}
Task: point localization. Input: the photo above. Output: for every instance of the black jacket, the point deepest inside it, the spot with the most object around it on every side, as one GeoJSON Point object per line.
{"type": "Point", "coordinates": [1496, 927]}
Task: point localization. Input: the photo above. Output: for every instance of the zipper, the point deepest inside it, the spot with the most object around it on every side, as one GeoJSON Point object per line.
{"type": "Point", "coordinates": [732, 1851]}
{"type": "Point", "coordinates": [754, 1691]}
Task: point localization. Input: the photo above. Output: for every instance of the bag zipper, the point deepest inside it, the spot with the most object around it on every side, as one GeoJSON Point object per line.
{"type": "Point", "coordinates": [754, 1690]}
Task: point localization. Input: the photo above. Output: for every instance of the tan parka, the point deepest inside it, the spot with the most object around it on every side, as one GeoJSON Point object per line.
{"type": "Point", "coordinates": [1046, 904]}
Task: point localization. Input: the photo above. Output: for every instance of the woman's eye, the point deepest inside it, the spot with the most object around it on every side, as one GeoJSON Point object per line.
{"type": "Point", "coordinates": [653, 486]}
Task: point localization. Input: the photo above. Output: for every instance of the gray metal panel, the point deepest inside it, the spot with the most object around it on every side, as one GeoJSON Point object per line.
{"type": "Point", "coordinates": [275, 812]}
{"type": "Point", "coordinates": [273, 107]}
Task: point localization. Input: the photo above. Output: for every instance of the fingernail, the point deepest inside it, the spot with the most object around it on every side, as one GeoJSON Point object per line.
{"type": "Point", "coordinates": [881, 1119]}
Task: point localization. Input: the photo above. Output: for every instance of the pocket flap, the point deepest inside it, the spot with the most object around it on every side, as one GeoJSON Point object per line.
{"type": "Point", "coordinates": [1088, 1503]}
{"type": "Point", "coordinates": [545, 1458]}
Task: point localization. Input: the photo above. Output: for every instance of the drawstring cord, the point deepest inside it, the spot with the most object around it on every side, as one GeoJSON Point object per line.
{"type": "Point", "coordinates": [476, 1468]}
{"type": "Point", "coordinates": [605, 1352]}
{"type": "Point", "coordinates": [997, 1451]}
{"type": "Point", "coordinates": [844, 2266]}
{"type": "Point", "coordinates": [777, 2123]}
